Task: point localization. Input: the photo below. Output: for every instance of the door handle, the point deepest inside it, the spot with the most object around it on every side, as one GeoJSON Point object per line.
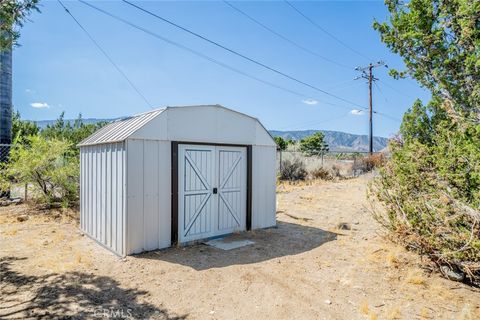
{"type": "Point", "coordinates": [214, 190]}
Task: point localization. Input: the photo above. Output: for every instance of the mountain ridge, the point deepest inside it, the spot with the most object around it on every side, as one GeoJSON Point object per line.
{"type": "Point", "coordinates": [337, 140]}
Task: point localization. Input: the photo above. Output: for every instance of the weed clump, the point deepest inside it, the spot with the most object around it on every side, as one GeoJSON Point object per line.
{"type": "Point", "coordinates": [293, 170]}
{"type": "Point", "coordinates": [321, 173]}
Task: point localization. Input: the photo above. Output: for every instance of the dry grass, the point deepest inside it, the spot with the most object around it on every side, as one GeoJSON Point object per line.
{"type": "Point", "coordinates": [416, 278]}
{"type": "Point", "coordinates": [392, 260]}
{"type": "Point", "coordinates": [425, 314]}
{"type": "Point", "coordinates": [307, 197]}
{"type": "Point", "coordinates": [468, 313]}
{"type": "Point", "coordinates": [394, 313]}
{"type": "Point", "coordinates": [282, 276]}
{"type": "Point", "coordinates": [364, 308]}
{"type": "Point", "coordinates": [10, 232]}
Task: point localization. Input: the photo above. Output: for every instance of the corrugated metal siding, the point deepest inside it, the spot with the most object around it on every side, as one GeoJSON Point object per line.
{"type": "Point", "coordinates": [149, 192]}
{"type": "Point", "coordinates": [263, 187]}
{"type": "Point", "coordinates": [102, 180]}
{"type": "Point", "coordinates": [140, 219]}
{"type": "Point", "coordinates": [120, 130]}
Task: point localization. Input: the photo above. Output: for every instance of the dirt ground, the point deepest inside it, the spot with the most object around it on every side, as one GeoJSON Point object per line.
{"type": "Point", "coordinates": [304, 269]}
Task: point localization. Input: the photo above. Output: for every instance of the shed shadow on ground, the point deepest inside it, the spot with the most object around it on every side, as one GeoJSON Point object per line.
{"type": "Point", "coordinates": [70, 295]}
{"type": "Point", "coordinates": [284, 240]}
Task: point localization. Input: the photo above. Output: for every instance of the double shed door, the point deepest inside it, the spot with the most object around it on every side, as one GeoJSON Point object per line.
{"type": "Point", "coordinates": [212, 195]}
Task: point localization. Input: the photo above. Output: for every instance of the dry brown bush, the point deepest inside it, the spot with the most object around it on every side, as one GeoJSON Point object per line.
{"type": "Point", "coordinates": [321, 173]}
{"type": "Point", "coordinates": [370, 162]}
{"type": "Point", "coordinates": [293, 170]}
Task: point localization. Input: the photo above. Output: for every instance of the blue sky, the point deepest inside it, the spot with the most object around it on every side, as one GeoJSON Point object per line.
{"type": "Point", "coordinates": [57, 68]}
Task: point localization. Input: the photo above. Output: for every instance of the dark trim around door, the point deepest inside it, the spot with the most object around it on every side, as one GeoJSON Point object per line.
{"type": "Point", "coordinates": [174, 183]}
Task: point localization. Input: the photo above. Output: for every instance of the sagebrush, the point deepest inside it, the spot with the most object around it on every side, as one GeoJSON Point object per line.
{"type": "Point", "coordinates": [321, 173]}
{"type": "Point", "coordinates": [293, 170]}
{"type": "Point", "coordinates": [430, 186]}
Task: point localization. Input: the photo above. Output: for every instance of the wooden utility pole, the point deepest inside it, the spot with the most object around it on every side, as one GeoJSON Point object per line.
{"type": "Point", "coordinates": [370, 110]}
{"type": "Point", "coordinates": [367, 73]}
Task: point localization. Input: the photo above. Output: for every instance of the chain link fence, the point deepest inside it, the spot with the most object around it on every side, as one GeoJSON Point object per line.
{"type": "Point", "coordinates": [348, 164]}
{"type": "Point", "coordinates": [17, 191]}
{"type": "Point", "coordinates": [4, 156]}
{"type": "Point", "coordinates": [5, 152]}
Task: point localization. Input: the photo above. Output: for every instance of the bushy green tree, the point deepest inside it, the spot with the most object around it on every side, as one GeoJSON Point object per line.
{"type": "Point", "coordinates": [281, 143]}
{"type": "Point", "coordinates": [314, 144]}
{"type": "Point", "coordinates": [48, 165]}
{"type": "Point", "coordinates": [431, 185]}
{"type": "Point", "coordinates": [439, 43]}
{"type": "Point", "coordinates": [22, 129]}
{"type": "Point", "coordinates": [13, 14]}
{"type": "Point", "coordinates": [73, 133]}
{"type": "Point", "coordinates": [47, 159]}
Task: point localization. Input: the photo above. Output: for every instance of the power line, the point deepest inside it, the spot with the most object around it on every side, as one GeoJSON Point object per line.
{"type": "Point", "coordinates": [380, 90]}
{"type": "Point", "coordinates": [386, 100]}
{"type": "Point", "coordinates": [239, 54]}
{"type": "Point", "coordinates": [326, 31]}
{"type": "Point", "coordinates": [387, 116]}
{"type": "Point", "coordinates": [281, 36]}
{"type": "Point", "coordinates": [203, 56]}
{"type": "Point", "coordinates": [105, 54]}
{"type": "Point", "coordinates": [398, 91]}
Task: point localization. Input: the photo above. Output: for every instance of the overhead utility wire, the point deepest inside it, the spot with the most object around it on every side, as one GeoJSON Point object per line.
{"type": "Point", "coordinates": [203, 56]}
{"type": "Point", "coordinates": [398, 91]}
{"type": "Point", "coordinates": [326, 31]}
{"type": "Point", "coordinates": [387, 116]}
{"type": "Point", "coordinates": [106, 55]}
{"type": "Point", "coordinates": [281, 36]}
{"type": "Point", "coordinates": [240, 54]}
{"type": "Point", "coordinates": [380, 90]}
{"type": "Point", "coordinates": [306, 49]}
{"type": "Point", "coordinates": [298, 45]}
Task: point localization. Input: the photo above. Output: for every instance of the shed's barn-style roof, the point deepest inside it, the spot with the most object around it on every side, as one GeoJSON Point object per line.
{"type": "Point", "coordinates": [121, 130]}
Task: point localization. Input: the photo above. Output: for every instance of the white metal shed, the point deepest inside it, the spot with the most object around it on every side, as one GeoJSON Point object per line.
{"type": "Point", "coordinates": [176, 175]}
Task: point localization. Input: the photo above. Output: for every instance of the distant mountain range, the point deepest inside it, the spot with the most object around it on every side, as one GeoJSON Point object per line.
{"type": "Point", "coordinates": [337, 141]}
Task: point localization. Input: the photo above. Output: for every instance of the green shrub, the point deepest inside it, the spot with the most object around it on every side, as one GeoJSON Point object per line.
{"type": "Point", "coordinates": [430, 186]}
{"type": "Point", "coordinates": [49, 166]}
{"type": "Point", "coordinates": [74, 132]}
{"type": "Point", "coordinates": [431, 193]}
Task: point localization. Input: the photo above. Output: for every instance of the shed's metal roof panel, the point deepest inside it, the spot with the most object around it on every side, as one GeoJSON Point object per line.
{"type": "Point", "coordinates": [121, 129]}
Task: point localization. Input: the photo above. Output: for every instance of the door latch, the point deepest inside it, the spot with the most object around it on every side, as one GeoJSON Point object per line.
{"type": "Point", "coordinates": [215, 190]}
